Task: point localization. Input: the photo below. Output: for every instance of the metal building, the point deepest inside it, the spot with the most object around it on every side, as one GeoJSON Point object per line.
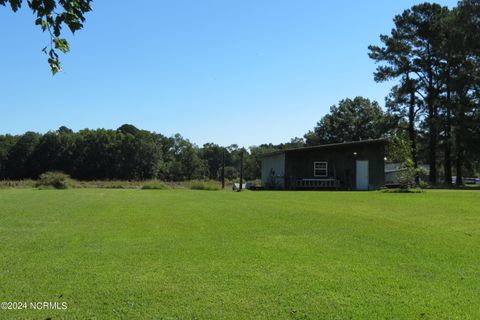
{"type": "Point", "coordinates": [342, 166]}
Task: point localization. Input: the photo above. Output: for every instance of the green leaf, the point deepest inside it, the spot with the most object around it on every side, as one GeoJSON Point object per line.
{"type": "Point", "coordinates": [62, 45]}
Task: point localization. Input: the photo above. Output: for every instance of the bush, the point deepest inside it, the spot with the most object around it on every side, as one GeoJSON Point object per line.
{"type": "Point", "coordinates": [204, 185]}
{"type": "Point", "coordinates": [407, 175]}
{"type": "Point", "coordinates": [423, 184]}
{"type": "Point", "coordinates": [155, 185]}
{"type": "Point", "coordinates": [57, 180]}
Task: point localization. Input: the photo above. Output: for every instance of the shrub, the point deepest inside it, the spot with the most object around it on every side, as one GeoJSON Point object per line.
{"type": "Point", "coordinates": [204, 185]}
{"type": "Point", "coordinates": [407, 175]}
{"type": "Point", "coordinates": [155, 185]}
{"type": "Point", "coordinates": [57, 180]}
{"type": "Point", "coordinates": [423, 184]}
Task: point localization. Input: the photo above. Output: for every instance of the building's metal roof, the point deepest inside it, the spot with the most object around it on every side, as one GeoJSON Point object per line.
{"type": "Point", "coordinates": [326, 146]}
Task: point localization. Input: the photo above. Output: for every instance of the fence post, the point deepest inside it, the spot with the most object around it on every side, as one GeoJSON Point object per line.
{"type": "Point", "coordinates": [241, 170]}
{"type": "Point", "coordinates": [223, 169]}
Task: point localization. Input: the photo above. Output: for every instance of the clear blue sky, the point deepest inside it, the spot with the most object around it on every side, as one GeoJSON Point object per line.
{"type": "Point", "coordinates": [244, 72]}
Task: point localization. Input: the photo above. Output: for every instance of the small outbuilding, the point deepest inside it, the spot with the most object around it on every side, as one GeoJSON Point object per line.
{"type": "Point", "coordinates": [342, 166]}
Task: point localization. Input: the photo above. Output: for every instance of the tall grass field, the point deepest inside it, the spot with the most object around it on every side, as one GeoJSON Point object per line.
{"type": "Point", "coordinates": [191, 254]}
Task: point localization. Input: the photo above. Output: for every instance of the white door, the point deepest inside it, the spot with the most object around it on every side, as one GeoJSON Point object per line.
{"type": "Point", "coordinates": [362, 174]}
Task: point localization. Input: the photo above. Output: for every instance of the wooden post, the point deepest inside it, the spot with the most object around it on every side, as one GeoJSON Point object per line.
{"type": "Point", "coordinates": [241, 170]}
{"type": "Point", "coordinates": [223, 169]}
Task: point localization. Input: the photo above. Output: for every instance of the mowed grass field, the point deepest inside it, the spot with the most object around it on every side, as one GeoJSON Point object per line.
{"type": "Point", "coordinates": [182, 254]}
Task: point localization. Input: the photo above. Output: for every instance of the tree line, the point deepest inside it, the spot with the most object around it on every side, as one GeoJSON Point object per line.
{"type": "Point", "coordinates": [126, 153]}
{"type": "Point", "coordinates": [433, 55]}
{"type": "Point", "coordinates": [129, 153]}
{"type": "Point", "coordinates": [432, 112]}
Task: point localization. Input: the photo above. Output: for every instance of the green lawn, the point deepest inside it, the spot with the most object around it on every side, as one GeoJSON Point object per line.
{"type": "Point", "coordinates": [181, 254]}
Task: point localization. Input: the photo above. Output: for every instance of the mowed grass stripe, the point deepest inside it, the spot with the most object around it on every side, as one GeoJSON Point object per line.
{"type": "Point", "coordinates": [195, 254]}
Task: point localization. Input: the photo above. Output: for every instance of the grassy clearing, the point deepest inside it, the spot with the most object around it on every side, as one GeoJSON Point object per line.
{"type": "Point", "coordinates": [184, 254]}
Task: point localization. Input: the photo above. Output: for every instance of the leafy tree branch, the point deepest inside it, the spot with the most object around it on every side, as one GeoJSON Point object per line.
{"type": "Point", "coordinates": [52, 16]}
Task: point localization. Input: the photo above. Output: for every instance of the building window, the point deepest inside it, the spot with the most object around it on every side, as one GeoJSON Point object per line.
{"type": "Point", "coordinates": [320, 169]}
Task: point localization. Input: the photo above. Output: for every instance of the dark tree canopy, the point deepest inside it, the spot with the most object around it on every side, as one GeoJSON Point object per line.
{"type": "Point", "coordinates": [127, 153]}
{"type": "Point", "coordinates": [352, 120]}
{"type": "Point", "coordinates": [52, 16]}
{"type": "Point", "coordinates": [433, 53]}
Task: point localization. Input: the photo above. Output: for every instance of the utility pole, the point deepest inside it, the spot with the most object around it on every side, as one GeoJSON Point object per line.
{"type": "Point", "coordinates": [241, 170]}
{"type": "Point", "coordinates": [223, 169]}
